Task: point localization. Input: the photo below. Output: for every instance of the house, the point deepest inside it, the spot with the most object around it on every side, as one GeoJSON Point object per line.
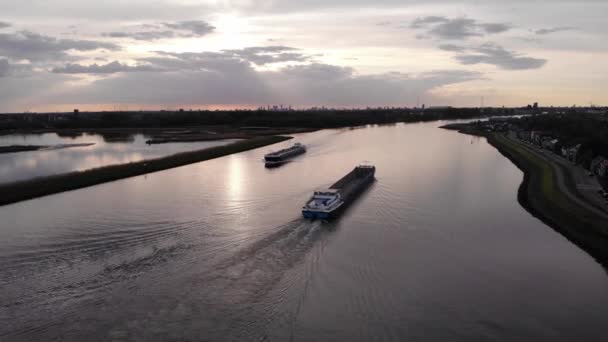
{"type": "Point", "coordinates": [603, 168]}
{"type": "Point", "coordinates": [536, 137]}
{"type": "Point", "coordinates": [524, 135]}
{"type": "Point", "coordinates": [550, 144]}
{"type": "Point", "coordinates": [595, 164]}
{"type": "Point", "coordinates": [572, 153]}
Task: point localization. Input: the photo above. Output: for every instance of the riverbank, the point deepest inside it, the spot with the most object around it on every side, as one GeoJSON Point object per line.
{"type": "Point", "coordinates": [20, 148]}
{"type": "Point", "coordinates": [29, 148]}
{"type": "Point", "coordinates": [43, 186]}
{"type": "Point", "coordinates": [184, 136]}
{"type": "Point", "coordinates": [549, 193]}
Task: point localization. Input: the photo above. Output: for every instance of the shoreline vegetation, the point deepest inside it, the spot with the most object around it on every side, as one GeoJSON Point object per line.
{"type": "Point", "coordinates": [201, 134]}
{"type": "Point", "coordinates": [28, 148]}
{"type": "Point", "coordinates": [233, 120]}
{"type": "Point", "coordinates": [20, 148]}
{"type": "Point", "coordinates": [542, 194]}
{"type": "Point", "coordinates": [44, 186]}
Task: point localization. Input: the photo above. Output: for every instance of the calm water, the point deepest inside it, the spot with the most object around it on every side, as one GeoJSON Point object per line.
{"type": "Point", "coordinates": [438, 249]}
{"type": "Point", "coordinates": [106, 151]}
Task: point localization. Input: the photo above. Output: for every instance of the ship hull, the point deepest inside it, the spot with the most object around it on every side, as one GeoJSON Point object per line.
{"type": "Point", "coordinates": [351, 188]}
{"type": "Point", "coordinates": [273, 161]}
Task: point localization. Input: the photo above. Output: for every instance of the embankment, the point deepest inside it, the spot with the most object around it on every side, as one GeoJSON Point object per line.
{"type": "Point", "coordinates": [20, 148]}
{"type": "Point", "coordinates": [43, 186]}
{"type": "Point", "coordinates": [540, 194]}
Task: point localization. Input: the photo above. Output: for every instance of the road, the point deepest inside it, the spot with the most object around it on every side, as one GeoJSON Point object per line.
{"type": "Point", "coordinates": [586, 192]}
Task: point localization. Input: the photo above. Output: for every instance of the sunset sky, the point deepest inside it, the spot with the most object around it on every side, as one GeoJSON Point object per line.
{"type": "Point", "coordinates": [167, 54]}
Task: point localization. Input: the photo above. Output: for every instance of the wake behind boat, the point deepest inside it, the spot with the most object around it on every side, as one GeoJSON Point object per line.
{"type": "Point", "coordinates": [328, 203]}
{"type": "Point", "coordinates": [284, 155]}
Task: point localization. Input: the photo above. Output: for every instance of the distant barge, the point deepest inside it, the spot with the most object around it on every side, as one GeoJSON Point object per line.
{"type": "Point", "coordinates": [329, 203]}
{"type": "Point", "coordinates": [283, 156]}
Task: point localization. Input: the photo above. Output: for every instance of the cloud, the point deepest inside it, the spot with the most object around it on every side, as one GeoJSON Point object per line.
{"type": "Point", "coordinates": [493, 28]}
{"type": "Point", "coordinates": [197, 28]}
{"type": "Point", "coordinates": [110, 68]}
{"type": "Point", "coordinates": [546, 31]}
{"type": "Point", "coordinates": [4, 67]}
{"type": "Point", "coordinates": [180, 29]}
{"type": "Point", "coordinates": [224, 78]}
{"type": "Point", "coordinates": [237, 58]}
{"type": "Point", "coordinates": [218, 62]}
{"type": "Point", "coordinates": [452, 48]}
{"type": "Point", "coordinates": [425, 21]}
{"type": "Point", "coordinates": [262, 55]}
{"type": "Point", "coordinates": [496, 55]}
{"type": "Point", "coordinates": [457, 28]}
{"type": "Point", "coordinates": [142, 35]}
{"type": "Point", "coordinates": [4, 25]}
{"type": "Point", "coordinates": [36, 47]}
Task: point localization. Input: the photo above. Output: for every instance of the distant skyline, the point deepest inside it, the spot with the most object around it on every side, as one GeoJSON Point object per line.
{"type": "Point", "coordinates": [169, 54]}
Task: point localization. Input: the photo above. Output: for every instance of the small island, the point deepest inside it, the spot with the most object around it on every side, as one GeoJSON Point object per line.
{"type": "Point", "coordinates": [28, 148]}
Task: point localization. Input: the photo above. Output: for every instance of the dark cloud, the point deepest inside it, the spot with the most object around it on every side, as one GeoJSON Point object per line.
{"type": "Point", "coordinates": [452, 48]}
{"type": "Point", "coordinates": [457, 28]}
{"type": "Point", "coordinates": [493, 28]}
{"type": "Point", "coordinates": [546, 31]}
{"type": "Point", "coordinates": [196, 28]}
{"type": "Point", "coordinates": [36, 47]}
{"type": "Point", "coordinates": [180, 29]}
{"type": "Point", "coordinates": [3, 67]}
{"type": "Point", "coordinates": [4, 25]}
{"type": "Point", "coordinates": [110, 68]}
{"type": "Point", "coordinates": [496, 55]}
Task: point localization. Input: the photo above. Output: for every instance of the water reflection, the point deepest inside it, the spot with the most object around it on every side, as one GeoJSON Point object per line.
{"type": "Point", "coordinates": [108, 149]}
{"type": "Point", "coordinates": [235, 181]}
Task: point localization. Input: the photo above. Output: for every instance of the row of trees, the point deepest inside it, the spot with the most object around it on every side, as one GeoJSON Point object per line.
{"type": "Point", "coordinates": [307, 118]}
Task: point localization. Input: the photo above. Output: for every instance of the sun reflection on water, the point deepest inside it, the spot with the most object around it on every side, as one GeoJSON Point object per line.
{"type": "Point", "coordinates": [235, 178]}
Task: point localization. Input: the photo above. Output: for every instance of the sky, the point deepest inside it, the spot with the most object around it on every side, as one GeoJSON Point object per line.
{"type": "Point", "coordinates": [167, 54]}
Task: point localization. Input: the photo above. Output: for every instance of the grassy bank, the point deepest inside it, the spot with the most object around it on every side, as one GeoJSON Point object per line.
{"type": "Point", "coordinates": [540, 195]}
{"type": "Point", "coordinates": [20, 191]}
{"type": "Point", "coordinates": [19, 148]}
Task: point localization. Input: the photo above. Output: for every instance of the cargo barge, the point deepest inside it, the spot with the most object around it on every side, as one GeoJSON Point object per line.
{"type": "Point", "coordinates": [326, 204]}
{"type": "Point", "coordinates": [283, 156]}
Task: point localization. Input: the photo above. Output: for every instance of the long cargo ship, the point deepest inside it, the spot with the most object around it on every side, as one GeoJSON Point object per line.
{"type": "Point", "coordinates": [282, 156]}
{"type": "Point", "coordinates": [326, 204]}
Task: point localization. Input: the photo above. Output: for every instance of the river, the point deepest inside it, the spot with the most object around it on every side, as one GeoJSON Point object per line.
{"type": "Point", "coordinates": [103, 151]}
{"type": "Point", "coordinates": [437, 249]}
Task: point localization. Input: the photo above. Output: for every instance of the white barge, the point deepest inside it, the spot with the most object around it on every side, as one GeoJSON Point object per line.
{"type": "Point", "coordinates": [326, 204]}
